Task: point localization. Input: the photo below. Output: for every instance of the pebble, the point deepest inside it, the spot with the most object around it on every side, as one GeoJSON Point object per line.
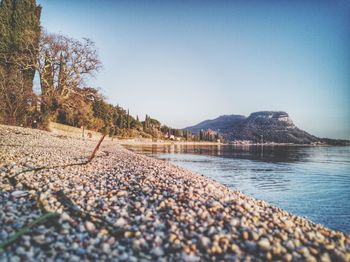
{"type": "Point", "coordinates": [190, 258]}
{"type": "Point", "coordinates": [290, 245]}
{"type": "Point", "coordinates": [89, 226]}
{"type": "Point", "coordinates": [245, 235]}
{"type": "Point", "coordinates": [310, 258]}
{"type": "Point", "coordinates": [18, 194]}
{"type": "Point", "coordinates": [287, 257]}
{"type": "Point", "coordinates": [20, 251]}
{"type": "Point", "coordinates": [251, 246]}
{"type": "Point", "coordinates": [121, 222]}
{"type": "Point", "coordinates": [65, 216]}
{"type": "Point", "coordinates": [136, 245]}
{"type": "Point", "coordinates": [204, 242]}
{"type": "Point", "coordinates": [157, 251]}
{"type": "Point", "coordinates": [122, 193]}
{"type": "Point", "coordinates": [39, 239]}
{"type": "Point", "coordinates": [325, 257]}
{"type": "Point", "coordinates": [81, 251]}
{"type": "Point", "coordinates": [106, 248]}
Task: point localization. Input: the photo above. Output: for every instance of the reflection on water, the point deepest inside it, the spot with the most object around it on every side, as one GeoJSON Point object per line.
{"type": "Point", "coordinates": [263, 153]}
{"type": "Point", "coordinates": [309, 181]}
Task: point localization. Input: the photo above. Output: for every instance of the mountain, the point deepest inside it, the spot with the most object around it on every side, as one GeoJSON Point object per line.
{"type": "Point", "coordinates": [269, 126]}
{"type": "Point", "coordinates": [221, 123]}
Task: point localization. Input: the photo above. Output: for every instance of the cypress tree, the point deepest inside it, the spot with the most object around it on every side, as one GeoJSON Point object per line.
{"type": "Point", "coordinates": [20, 25]}
{"type": "Point", "coordinates": [47, 76]}
{"type": "Point", "coordinates": [19, 40]}
{"type": "Point", "coordinates": [145, 124]}
{"type": "Point", "coordinates": [26, 19]}
{"type": "Point", "coordinates": [62, 77]}
{"type": "Point", "coordinates": [5, 27]}
{"type": "Point", "coordinates": [128, 120]}
{"type": "Point", "coordinates": [121, 120]}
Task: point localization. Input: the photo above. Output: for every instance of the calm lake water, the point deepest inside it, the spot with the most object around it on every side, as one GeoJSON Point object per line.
{"type": "Point", "coordinates": [313, 182]}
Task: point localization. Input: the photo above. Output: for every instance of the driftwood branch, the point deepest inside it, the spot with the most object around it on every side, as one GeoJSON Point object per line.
{"type": "Point", "coordinates": [96, 148]}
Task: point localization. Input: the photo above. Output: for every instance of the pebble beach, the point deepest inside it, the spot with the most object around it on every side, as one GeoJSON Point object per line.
{"type": "Point", "coordinates": [122, 206]}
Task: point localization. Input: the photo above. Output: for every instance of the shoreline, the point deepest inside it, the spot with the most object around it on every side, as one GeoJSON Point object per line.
{"type": "Point", "coordinates": [127, 142]}
{"type": "Point", "coordinates": [166, 143]}
{"type": "Point", "coordinates": [135, 207]}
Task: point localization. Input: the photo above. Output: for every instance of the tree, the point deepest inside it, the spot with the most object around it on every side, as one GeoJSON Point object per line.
{"type": "Point", "coordinates": [71, 61]}
{"type": "Point", "coordinates": [16, 100]}
{"type": "Point", "coordinates": [26, 24]}
{"type": "Point", "coordinates": [20, 23]}
{"type": "Point", "coordinates": [6, 11]}
{"type": "Point", "coordinates": [64, 66]}
{"type": "Point", "coordinates": [19, 34]}
{"type": "Point", "coordinates": [47, 74]}
{"type": "Point", "coordinates": [128, 120]}
{"type": "Point", "coordinates": [201, 135]}
{"type": "Point", "coordinates": [77, 110]}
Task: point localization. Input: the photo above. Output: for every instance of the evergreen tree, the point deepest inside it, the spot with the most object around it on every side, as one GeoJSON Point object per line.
{"type": "Point", "coordinates": [62, 77]}
{"type": "Point", "coordinates": [20, 25]}
{"type": "Point", "coordinates": [121, 122]}
{"type": "Point", "coordinates": [46, 77]}
{"type": "Point", "coordinates": [19, 41]}
{"type": "Point", "coordinates": [26, 18]}
{"type": "Point", "coordinates": [128, 120]}
{"type": "Point", "coordinates": [145, 124]}
{"type": "Point", "coordinates": [6, 11]}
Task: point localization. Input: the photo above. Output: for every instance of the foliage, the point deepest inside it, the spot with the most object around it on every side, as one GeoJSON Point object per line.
{"type": "Point", "coordinates": [19, 35]}
{"type": "Point", "coordinates": [17, 101]}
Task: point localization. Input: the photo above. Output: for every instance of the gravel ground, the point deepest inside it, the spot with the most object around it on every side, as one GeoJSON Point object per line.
{"type": "Point", "coordinates": [128, 207]}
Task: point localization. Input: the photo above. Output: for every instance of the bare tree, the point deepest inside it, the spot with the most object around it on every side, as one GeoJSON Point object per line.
{"type": "Point", "coordinates": [65, 63]}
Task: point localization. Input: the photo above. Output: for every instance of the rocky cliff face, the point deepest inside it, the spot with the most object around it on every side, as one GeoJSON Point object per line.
{"type": "Point", "coordinates": [269, 126]}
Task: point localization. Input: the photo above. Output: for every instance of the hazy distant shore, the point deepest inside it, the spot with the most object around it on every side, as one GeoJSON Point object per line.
{"type": "Point", "coordinates": [164, 142]}
{"type": "Point", "coordinates": [147, 142]}
{"type": "Point", "coordinates": [127, 207]}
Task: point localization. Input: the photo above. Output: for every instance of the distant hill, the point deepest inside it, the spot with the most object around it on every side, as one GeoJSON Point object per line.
{"type": "Point", "coordinates": [221, 123]}
{"type": "Point", "coordinates": [271, 126]}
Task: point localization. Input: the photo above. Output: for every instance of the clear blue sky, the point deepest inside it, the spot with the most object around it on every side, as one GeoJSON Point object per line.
{"type": "Point", "coordinates": [186, 61]}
